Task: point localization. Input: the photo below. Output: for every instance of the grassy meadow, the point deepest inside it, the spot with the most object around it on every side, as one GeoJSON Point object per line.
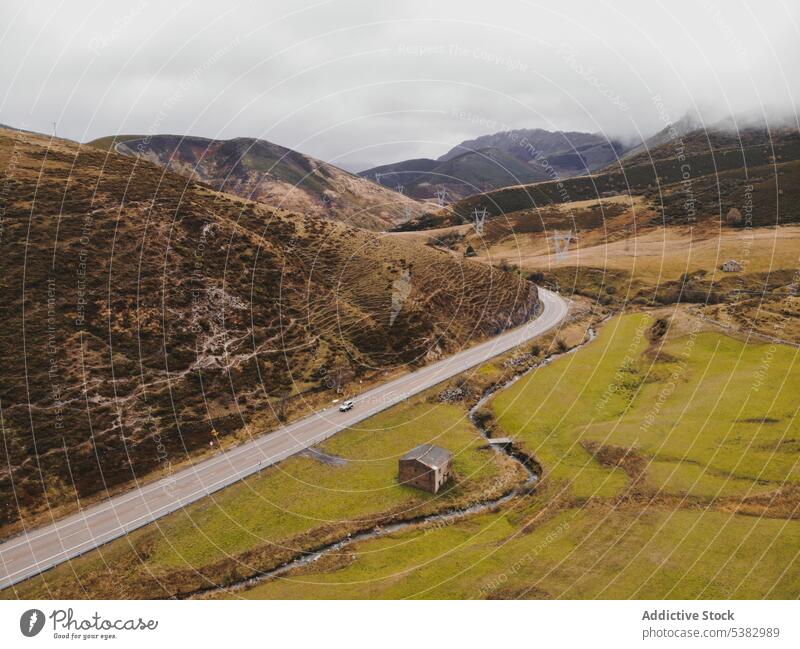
{"type": "Point", "coordinates": [669, 472]}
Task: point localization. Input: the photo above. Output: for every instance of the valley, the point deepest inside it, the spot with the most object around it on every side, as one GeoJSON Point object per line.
{"type": "Point", "coordinates": [311, 309]}
{"type": "Point", "coordinates": [658, 414]}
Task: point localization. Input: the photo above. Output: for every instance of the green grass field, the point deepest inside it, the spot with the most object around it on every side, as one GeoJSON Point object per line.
{"type": "Point", "coordinates": [580, 553]}
{"type": "Point", "coordinates": [704, 504]}
{"type": "Point", "coordinates": [544, 410]}
{"type": "Point", "coordinates": [717, 415]}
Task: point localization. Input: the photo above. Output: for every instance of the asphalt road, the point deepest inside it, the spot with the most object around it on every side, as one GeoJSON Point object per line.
{"type": "Point", "coordinates": [39, 549]}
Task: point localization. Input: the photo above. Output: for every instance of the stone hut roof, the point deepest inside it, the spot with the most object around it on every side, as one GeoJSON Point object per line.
{"type": "Point", "coordinates": [429, 455]}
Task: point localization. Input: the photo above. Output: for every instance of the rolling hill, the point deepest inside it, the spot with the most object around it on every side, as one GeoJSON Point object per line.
{"type": "Point", "coordinates": [262, 171]}
{"type": "Point", "coordinates": [720, 139]}
{"type": "Point", "coordinates": [148, 317]}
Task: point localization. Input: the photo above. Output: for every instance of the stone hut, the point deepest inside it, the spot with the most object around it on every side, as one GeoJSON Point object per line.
{"type": "Point", "coordinates": [426, 467]}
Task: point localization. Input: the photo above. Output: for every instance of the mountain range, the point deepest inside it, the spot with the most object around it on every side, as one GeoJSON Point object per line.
{"type": "Point", "coordinates": [501, 159]}
{"type": "Point", "coordinates": [685, 174]}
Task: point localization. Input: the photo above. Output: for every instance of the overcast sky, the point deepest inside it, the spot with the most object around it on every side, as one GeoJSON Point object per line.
{"type": "Point", "coordinates": [364, 82]}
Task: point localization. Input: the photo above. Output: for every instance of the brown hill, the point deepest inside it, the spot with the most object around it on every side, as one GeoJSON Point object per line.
{"type": "Point", "coordinates": [146, 317]}
{"type": "Point", "coordinates": [721, 139]}
{"type": "Point", "coordinates": [262, 171]}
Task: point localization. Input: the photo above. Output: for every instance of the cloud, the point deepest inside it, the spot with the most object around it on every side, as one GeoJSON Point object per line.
{"type": "Point", "coordinates": [361, 83]}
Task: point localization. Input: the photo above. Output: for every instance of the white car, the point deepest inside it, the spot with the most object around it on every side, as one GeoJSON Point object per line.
{"type": "Point", "coordinates": [347, 405]}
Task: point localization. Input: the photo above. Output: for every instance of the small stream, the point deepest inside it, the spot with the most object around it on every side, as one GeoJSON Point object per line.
{"type": "Point", "coordinates": [529, 463]}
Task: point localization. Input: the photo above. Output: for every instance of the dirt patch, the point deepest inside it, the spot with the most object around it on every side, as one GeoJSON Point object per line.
{"type": "Point", "coordinates": [783, 503]}
{"type": "Point", "coordinates": [524, 592]}
{"type": "Point", "coordinates": [325, 458]}
{"type": "Point", "coordinates": [758, 420]}
{"type": "Point", "coordinates": [659, 329]}
{"type": "Point", "coordinates": [631, 462]}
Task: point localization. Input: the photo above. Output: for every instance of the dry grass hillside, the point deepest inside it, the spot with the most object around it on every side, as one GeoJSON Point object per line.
{"type": "Point", "coordinates": [262, 171]}
{"type": "Point", "coordinates": [147, 317]}
{"type": "Point", "coordinates": [614, 250]}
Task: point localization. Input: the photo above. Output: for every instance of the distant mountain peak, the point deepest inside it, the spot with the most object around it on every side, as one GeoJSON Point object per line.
{"type": "Point", "coordinates": [501, 159]}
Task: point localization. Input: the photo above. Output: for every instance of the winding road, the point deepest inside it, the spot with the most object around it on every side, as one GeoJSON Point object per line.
{"type": "Point", "coordinates": [40, 549]}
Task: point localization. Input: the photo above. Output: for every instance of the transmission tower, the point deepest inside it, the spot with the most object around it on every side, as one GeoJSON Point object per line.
{"type": "Point", "coordinates": [478, 218]}
{"type": "Point", "coordinates": [561, 240]}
